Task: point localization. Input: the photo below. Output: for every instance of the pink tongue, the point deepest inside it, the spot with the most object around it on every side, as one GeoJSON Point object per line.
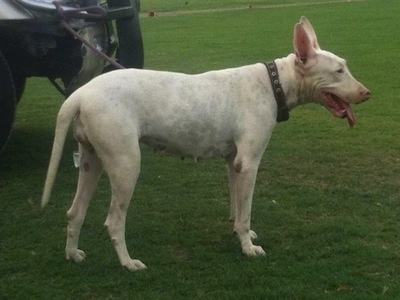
{"type": "Point", "coordinates": [351, 118]}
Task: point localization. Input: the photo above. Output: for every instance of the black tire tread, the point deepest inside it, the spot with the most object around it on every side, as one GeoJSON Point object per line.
{"type": "Point", "coordinates": [8, 101]}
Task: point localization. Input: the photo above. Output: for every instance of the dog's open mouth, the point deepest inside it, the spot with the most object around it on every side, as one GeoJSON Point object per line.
{"type": "Point", "coordinates": [338, 107]}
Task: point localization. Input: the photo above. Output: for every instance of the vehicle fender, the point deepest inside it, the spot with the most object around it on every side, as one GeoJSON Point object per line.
{"type": "Point", "coordinates": [11, 11]}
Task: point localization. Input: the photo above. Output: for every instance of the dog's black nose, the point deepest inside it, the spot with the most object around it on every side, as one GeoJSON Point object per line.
{"type": "Point", "coordinates": [366, 95]}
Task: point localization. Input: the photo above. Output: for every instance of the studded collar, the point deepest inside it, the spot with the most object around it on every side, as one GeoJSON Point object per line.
{"type": "Point", "coordinates": [280, 98]}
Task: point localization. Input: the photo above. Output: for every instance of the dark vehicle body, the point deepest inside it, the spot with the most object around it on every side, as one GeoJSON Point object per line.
{"type": "Point", "coordinates": [35, 41]}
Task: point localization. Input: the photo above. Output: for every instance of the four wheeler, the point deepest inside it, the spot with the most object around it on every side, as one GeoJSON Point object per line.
{"type": "Point", "coordinates": [67, 41]}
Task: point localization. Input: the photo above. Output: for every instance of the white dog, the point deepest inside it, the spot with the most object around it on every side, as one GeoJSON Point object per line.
{"type": "Point", "coordinates": [229, 113]}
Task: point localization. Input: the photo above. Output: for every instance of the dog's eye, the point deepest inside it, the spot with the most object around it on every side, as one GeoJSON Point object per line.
{"type": "Point", "coordinates": [340, 70]}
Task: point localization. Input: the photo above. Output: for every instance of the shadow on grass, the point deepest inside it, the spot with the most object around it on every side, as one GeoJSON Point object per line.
{"type": "Point", "coordinates": [28, 149]}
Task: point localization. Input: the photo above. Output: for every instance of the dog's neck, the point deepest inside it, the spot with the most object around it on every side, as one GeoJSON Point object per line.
{"type": "Point", "coordinates": [279, 94]}
{"type": "Point", "coordinates": [292, 82]}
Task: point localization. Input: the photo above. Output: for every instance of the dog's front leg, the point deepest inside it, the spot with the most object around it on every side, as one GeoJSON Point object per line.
{"type": "Point", "coordinates": [242, 176]}
{"type": "Point", "coordinates": [232, 176]}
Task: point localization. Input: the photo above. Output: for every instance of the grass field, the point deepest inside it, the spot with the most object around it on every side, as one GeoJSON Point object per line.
{"type": "Point", "coordinates": [326, 205]}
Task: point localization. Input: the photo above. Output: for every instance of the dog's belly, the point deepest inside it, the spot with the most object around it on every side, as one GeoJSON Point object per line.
{"type": "Point", "coordinates": [189, 134]}
{"type": "Point", "coordinates": [186, 148]}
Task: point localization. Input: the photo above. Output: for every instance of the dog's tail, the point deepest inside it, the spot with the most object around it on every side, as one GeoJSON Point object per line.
{"type": "Point", "coordinates": [67, 113]}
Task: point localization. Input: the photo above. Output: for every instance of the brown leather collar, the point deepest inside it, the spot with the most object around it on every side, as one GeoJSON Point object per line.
{"type": "Point", "coordinates": [283, 111]}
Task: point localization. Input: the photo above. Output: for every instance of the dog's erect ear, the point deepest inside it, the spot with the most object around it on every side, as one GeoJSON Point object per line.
{"type": "Point", "coordinates": [302, 45]}
{"type": "Point", "coordinates": [310, 31]}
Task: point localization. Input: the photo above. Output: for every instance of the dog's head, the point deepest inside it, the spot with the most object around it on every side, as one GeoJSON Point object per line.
{"type": "Point", "coordinates": [326, 77]}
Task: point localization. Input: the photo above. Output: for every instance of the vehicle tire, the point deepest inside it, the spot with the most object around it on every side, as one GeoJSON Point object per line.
{"type": "Point", "coordinates": [130, 52]}
{"type": "Point", "coordinates": [8, 101]}
{"type": "Point", "coordinates": [19, 83]}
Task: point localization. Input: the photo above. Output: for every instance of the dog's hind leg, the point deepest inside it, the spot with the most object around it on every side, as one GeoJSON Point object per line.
{"type": "Point", "coordinates": [123, 170]}
{"type": "Point", "coordinates": [89, 174]}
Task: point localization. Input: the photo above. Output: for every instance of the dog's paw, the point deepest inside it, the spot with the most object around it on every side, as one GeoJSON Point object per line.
{"type": "Point", "coordinates": [76, 255]}
{"type": "Point", "coordinates": [253, 235]}
{"type": "Point", "coordinates": [135, 265]}
{"type": "Point", "coordinates": [254, 251]}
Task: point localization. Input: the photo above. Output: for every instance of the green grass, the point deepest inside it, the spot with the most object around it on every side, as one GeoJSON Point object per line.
{"type": "Point", "coordinates": [326, 201]}
{"type": "Point", "coordinates": [195, 5]}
